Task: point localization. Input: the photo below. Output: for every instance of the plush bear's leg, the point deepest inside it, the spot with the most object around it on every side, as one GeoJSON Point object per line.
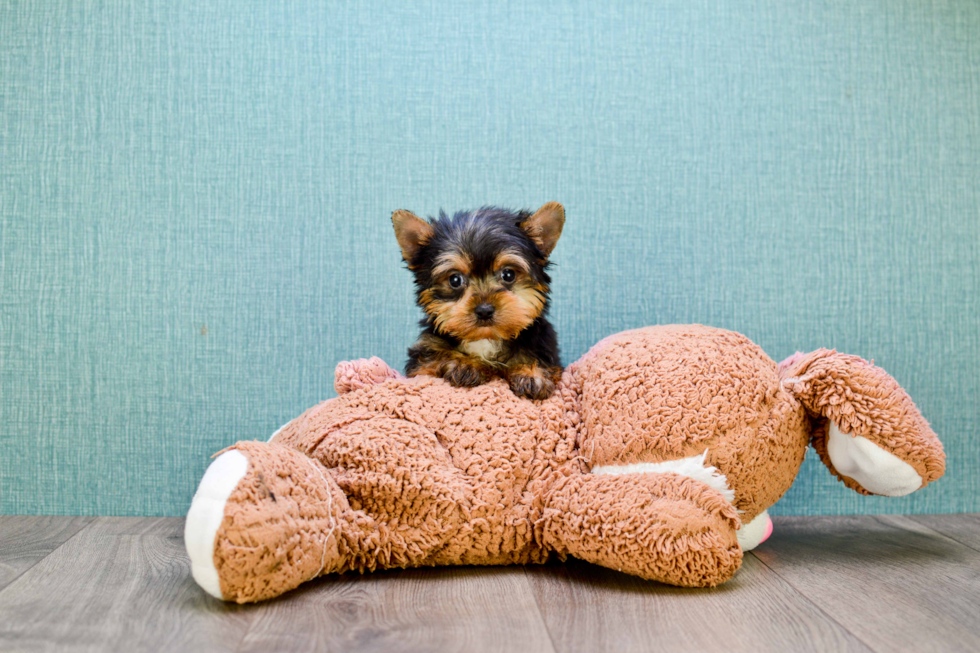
{"type": "Point", "coordinates": [334, 491]}
{"type": "Point", "coordinates": [662, 527]}
{"type": "Point", "coordinates": [867, 431]}
{"type": "Point", "coordinates": [409, 498]}
{"type": "Point", "coordinates": [265, 518]}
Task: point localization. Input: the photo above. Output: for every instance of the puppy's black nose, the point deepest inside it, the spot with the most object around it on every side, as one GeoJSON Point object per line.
{"type": "Point", "coordinates": [484, 311]}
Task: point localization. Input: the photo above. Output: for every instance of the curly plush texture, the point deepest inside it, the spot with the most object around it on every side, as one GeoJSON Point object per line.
{"type": "Point", "coordinates": [666, 393]}
{"type": "Point", "coordinates": [354, 375]}
{"type": "Point", "coordinates": [399, 472]}
{"type": "Point", "coordinates": [863, 400]}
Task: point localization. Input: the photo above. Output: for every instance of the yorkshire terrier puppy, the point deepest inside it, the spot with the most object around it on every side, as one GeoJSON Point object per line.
{"type": "Point", "coordinates": [481, 280]}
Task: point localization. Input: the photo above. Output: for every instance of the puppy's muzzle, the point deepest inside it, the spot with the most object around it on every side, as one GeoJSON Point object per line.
{"type": "Point", "coordinates": [484, 312]}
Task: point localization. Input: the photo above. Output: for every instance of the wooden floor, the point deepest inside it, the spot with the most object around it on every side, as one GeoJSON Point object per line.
{"type": "Point", "coordinates": [819, 584]}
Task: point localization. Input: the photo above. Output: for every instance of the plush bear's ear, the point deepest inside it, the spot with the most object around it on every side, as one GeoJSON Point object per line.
{"type": "Point", "coordinates": [544, 227]}
{"type": "Point", "coordinates": [411, 231]}
{"type": "Point", "coordinates": [361, 373]}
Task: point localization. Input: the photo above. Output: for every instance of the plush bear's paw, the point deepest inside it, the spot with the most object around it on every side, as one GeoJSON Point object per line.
{"type": "Point", "coordinates": [265, 519]}
{"type": "Point", "coordinates": [872, 467]}
{"type": "Point", "coordinates": [536, 384]}
{"type": "Point", "coordinates": [464, 375]}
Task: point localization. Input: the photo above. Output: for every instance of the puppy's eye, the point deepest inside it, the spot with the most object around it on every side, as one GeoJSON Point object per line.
{"type": "Point", "coordinates": [507, 275]}
{"type": "Point", "coordinates": [456, 280]}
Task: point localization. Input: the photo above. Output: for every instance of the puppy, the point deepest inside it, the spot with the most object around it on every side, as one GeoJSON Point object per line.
{"type": "Point", "coordinates": [481, 280]}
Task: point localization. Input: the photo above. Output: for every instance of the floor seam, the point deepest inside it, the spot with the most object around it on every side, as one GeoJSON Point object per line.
{"type": "Point", "coordinates": [45, 557]}
{"type": "Point", "coordinates": [911, 518]}
{"type": "Point", "coordinates": [248, 629]}
{"type": "Point", "coordinates": [816, 605]}
{"type": "Point", "coordinates": [537, 606]}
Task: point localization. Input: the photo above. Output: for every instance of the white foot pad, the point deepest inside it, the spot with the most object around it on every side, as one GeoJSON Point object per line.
{"type": "Point", "coordinates": [206, 514]}
{"type": "Point", "coordinates": [875, 469]}
{"type": "Point", "coordinates": [755, 532]}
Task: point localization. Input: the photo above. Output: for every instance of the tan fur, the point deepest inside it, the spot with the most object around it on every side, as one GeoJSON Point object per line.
{"type": "Point", "coordinates": [515, 309]}
{"type": "Point", "coordinates": [450, 262]}
{"type": "Point", "coordinates": [451, 363]}
{"type": "Point", "coordinates": [545, 226]}
{"type": "Point", "coordinates": [488, 349]}
{"type": "Point", "coordinates": [531, 378]}
{"type": "Point", "coordinates": [511, 260]}
{"type": "Point", "coordinates": [400, 472]}
{"type": "Point", "coordinates": [411, 231]}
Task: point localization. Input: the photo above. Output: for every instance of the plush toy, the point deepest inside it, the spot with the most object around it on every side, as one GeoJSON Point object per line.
{"type": "Point", "coordinates": [657, 455]}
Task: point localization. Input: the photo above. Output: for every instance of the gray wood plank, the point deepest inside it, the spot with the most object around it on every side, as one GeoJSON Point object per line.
{"type": "Point", "coordinates": [895, 586]}
{"type": "Point", "coordinates": [470, 609]}
{"type": "Point", "coordinates": [964, 528]}
{"type": "Point", "coordinates": [824, 583]}
{"type": "Point", "coordinates": [589, 608]}
{"type": "Point", "coordinates": [26, 539]}
{"type": "Point", "coordinates": [121, 584]}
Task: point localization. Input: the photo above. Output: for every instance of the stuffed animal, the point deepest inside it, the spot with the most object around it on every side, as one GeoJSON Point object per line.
{"type": "Point", "coordinates": [657, 455]}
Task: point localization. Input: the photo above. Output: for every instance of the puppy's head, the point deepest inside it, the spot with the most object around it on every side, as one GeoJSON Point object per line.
{"type": "Point", "coordinates": [481, 274]}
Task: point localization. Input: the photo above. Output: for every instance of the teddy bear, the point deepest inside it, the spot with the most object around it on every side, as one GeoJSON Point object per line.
{"type": "Point", "coordinates": [658, 455]}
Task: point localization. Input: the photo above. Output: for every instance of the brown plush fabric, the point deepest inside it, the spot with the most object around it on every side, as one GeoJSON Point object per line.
{"type": "Point", "coordinates": [283, 524]}
{"type": "Point", "coordinates": [400, 472]}
{"type": "Point", "coordinates": [670, 392]}
{"type": "Point", "coordinates": [666, 527]}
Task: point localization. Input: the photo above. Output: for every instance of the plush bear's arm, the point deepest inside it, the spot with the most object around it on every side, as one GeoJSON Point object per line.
{"type": "Point", "coordinates": [662, 527]}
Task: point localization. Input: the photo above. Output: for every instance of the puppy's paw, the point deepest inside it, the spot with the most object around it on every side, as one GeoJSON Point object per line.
{"type": "Point", "coordinates": [464, 375]}
{"type": "Point", "coordinates": [536, 384]}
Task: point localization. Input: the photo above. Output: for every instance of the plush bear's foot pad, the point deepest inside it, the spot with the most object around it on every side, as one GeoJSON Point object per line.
{"type": "Point", "coordinates": [206, 514]}
{"type": "Point", "coordinates": [755, 532]}
{"type": "Point", "coordinates": [876, 470]}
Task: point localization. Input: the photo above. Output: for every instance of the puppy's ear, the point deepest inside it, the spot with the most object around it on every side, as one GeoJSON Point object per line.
{"type": "Point", "coordinates": [544, 227]}
{"type": "Point", "coordinates": [411, 231]}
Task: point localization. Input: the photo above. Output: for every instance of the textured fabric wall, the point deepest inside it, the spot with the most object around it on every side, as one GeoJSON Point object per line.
{"type": "Point", "coordinates": [195, 201]}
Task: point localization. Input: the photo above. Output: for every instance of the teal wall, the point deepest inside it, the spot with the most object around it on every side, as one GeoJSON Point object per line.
{"type": "Point", "coordinates": [195, 201]}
